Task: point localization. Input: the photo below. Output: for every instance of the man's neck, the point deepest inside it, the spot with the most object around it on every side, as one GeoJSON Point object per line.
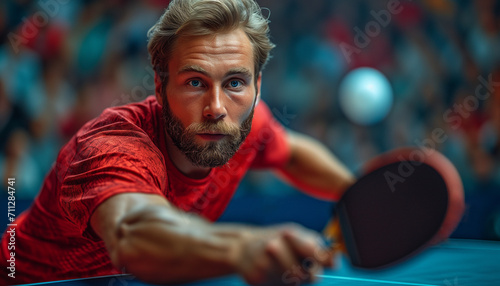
{"type": "Point", "coordinates": [183, 164]}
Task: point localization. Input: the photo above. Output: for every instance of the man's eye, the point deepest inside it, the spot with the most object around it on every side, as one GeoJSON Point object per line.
{"type": "Point", "coordinates": [194, 83]}
{"type": "Point", "coordinates": [235, 83]}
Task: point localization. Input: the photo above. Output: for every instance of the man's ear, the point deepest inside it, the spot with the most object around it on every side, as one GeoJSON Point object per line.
{"type": "Point", "coordinates": [158, 85]}
{"type": "Point", "coordinates": [257, 87]}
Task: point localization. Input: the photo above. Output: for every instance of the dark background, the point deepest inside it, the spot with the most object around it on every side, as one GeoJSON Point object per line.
{"type": "Point", "coordinates": [62, 62]}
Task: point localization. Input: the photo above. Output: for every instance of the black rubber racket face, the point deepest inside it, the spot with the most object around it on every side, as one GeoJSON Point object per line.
{"type": "Point", "coordinates": [394, 211]}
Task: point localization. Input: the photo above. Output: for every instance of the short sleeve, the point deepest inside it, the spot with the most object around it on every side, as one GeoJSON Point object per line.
{"type": "Point", "coordinates": [270, 137]}
{"type": "Point", "coordinates": [118, 160]}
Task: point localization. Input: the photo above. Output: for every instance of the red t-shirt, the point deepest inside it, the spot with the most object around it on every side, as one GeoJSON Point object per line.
{"type": "Point", "coordinates": [123, 150]}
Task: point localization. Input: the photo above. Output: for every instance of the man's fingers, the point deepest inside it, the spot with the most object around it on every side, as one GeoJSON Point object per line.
{"type": "Point", "coordinates": [278, 249]}
{"type": "Point", "coordinates": [286, 255]}
{"type": "Point", "coordinates": [308, 244]}
{"type": "Point", "coordinates": [287, 263]}
{"type": "Point", "coordinates": [310, 249]}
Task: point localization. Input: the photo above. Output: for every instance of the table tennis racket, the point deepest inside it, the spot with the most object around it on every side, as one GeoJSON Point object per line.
{"type": "Point", "coordinates": [406, 200]}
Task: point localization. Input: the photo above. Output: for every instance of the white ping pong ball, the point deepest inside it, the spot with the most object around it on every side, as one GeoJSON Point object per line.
{"type": "Point", "coordinates": [365, 96]}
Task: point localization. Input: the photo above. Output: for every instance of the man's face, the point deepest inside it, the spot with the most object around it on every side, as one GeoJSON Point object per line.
{"type": "Point", "coordinates": [210, 95]}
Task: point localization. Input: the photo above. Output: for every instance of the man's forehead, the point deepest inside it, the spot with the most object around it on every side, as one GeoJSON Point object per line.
{"type": "Point", "coordinates": [232, 49]}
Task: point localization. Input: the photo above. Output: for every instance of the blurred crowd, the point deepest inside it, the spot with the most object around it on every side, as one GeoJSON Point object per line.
{"type": "Point", "coordinates": [62, 62]}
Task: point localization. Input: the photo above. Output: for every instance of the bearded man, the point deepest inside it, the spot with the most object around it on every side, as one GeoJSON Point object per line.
{"type": "Point", "coordinates": [138, 188]}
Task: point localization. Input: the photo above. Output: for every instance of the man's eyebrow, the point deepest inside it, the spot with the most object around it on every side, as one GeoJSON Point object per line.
{"type": "Point", "coordinates": [242, 71]}
{"type": "Point", "coordinates": [233, 71]}
{"type": "Point", "coordinates": [192, 68]}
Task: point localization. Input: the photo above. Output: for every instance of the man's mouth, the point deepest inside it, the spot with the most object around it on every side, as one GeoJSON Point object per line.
{"type": "Point", "coordinates": [211, 136]}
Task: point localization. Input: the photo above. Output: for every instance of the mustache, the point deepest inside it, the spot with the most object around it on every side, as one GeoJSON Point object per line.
{"type": "Point", "coordinates": [215, 127]}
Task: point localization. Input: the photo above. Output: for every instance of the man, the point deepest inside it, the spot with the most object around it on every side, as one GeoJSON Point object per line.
{"type": "Point", "coordinates": [135, 189]}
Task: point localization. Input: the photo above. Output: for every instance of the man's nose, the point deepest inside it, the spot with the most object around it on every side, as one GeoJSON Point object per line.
{"type": "Point", "coordinates": [214, 105]}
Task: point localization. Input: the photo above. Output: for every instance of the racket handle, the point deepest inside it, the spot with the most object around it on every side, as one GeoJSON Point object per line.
{"type": "Point", "coordinates": [333, 235]}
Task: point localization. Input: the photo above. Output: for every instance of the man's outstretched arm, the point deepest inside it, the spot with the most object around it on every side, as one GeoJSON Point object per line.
{"type": "Point", "coordinates": [314, 169]}
{"type": "Point", "coordinates": [158, 243]}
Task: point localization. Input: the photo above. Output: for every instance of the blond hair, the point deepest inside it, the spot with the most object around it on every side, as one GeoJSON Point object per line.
{"type": "Point", "coordinates": [205, 17]}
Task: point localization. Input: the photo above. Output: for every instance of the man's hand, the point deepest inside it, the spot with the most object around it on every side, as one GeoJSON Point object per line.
{"type": "Point", "coordinates": [282, 255]}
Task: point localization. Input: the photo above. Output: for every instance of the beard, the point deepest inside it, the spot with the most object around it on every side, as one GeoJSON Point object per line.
{"type": "Point", "coordinates": [212, 153]}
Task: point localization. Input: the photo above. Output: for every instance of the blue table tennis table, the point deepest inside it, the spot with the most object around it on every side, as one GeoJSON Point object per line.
{"type": "Point", "coordinates": [456, 262]}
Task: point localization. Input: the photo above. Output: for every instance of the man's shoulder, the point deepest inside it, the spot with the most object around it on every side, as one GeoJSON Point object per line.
{"type": "Point", "coordinates": [262, 115]}
{"type": "Point", "coordinates": [128, 129]}
{"type": "Point", "coordinates": [140, 114]}
{"type": "Point", "coordinates": [264, 121]}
